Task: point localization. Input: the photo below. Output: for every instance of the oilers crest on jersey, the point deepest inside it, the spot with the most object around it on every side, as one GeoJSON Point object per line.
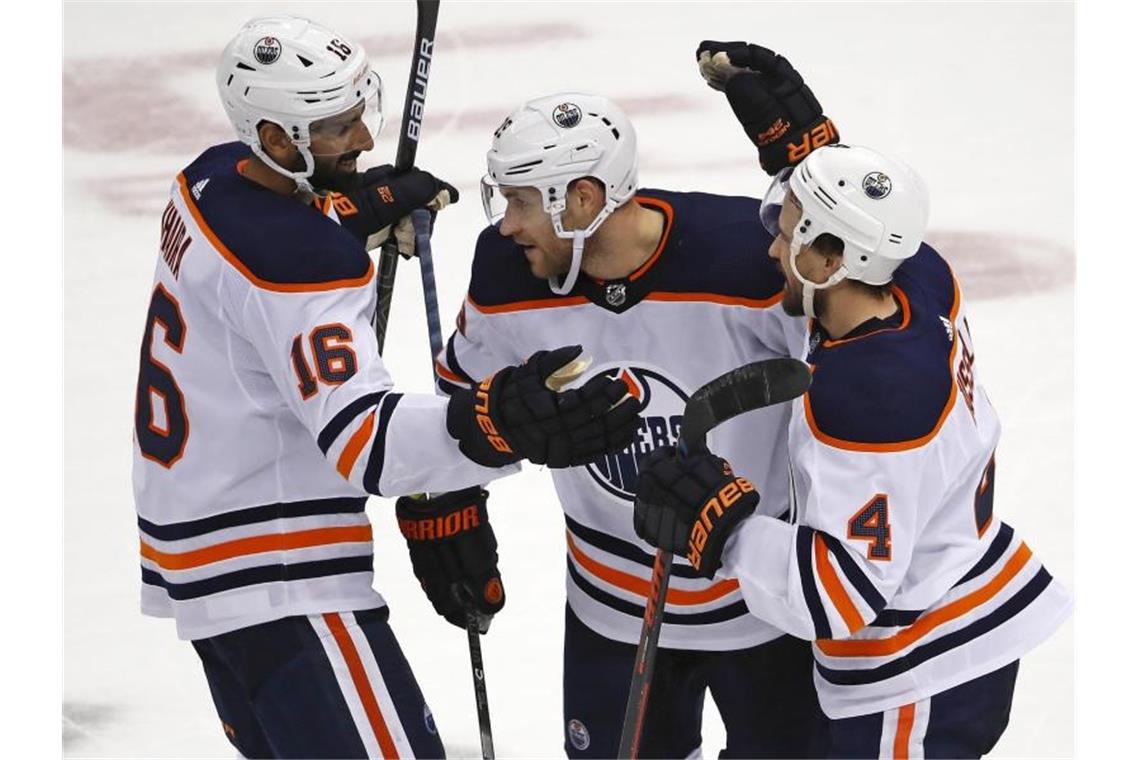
{"type": "Point", "coordinates": [705, 301]}
{"type": "Point", "coordinates": [662, 399]}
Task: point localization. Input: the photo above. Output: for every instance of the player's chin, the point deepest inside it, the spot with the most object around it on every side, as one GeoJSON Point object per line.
{"type": "Point", "coordinates": [338, 180]}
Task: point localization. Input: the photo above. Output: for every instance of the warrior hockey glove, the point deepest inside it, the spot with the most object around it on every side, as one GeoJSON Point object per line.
{"type": "Point", "coordinates": [518, 413]}
{"type": "Point", "coordinates": [385, 197]}
{"type": "Point", "coordinates": [690, 506]}
{"type": "Point", "coordinates": [453, 552]}
{"type": "Point", "coordinates": [778, 111]}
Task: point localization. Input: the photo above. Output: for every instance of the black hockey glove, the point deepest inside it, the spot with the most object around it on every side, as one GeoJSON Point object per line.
{"type": "Point", "coordinates": [453, 552]}
{"type": "Point", "coordinates": [518, 413]}
{"type": "Point", "coordinates": [777, 109]}
{"type": "Point", "coordinates": [384, 198]}
{"type": "Point", "coordinates": [690, 506]}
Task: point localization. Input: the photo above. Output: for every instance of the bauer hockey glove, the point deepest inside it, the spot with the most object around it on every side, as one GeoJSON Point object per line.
{"type": "Point", "coordinates": [519, 413]}
{"type": "Point", "coordinates": [383, 200]}
{"type": "Point", "coordinates": [690, 506]}
{"type": "Point", "coordinates": [777, 109]}
{"type": "Point", "coordinates": [453, 551]}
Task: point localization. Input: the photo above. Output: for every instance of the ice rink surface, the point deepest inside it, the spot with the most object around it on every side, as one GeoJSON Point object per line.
{"type": "Point", "coordinates": [978, 97]}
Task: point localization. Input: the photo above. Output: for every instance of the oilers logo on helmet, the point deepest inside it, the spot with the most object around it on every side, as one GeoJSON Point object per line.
{"type": "Point", "coordinates": [877, 185]}
{"type": "Point", "coordinates": [566, 115]}
{"type": "Point", "coordinates": [267, 50]}
{"type": "Point", "coordinates": [662, 403]}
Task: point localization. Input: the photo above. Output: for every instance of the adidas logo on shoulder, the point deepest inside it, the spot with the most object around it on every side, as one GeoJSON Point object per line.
{"type": "Point", "coordinates": [949, 328]}
{"type": "Point", "coordinates": [199, 186]}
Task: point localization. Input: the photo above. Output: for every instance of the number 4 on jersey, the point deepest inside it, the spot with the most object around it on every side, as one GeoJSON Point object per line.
{"type": "Point", "coordinates": [872, 523]}
{"type": "Point", "coordinates": [334, 358]}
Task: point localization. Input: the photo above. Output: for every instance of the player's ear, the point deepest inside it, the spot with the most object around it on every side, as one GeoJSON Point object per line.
{"type": "Point", "coordinates": [588, 195]}
{"type": "Point", "coordinates": [276, 143]}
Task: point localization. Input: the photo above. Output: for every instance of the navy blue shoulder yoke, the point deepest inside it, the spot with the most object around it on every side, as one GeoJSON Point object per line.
{"type": "Point", "coordinates": [891, 389]}
{"type": "Point", "coordinates": [717, 246]}
{"type": "Point", "coordinates": [276, 242]}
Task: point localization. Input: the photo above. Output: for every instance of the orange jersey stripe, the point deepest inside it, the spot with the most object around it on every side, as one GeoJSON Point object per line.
{"type": "Point", "coordinates": [363, 687]}
{"type": "Point", "coordinates": [904, 304]}
{"type": "Point", "coordinates": [640, 586]}
{"type": "Point", "coordinates": [539, 303]}
{"type": "Point", "coordinates": [902, 733]}
{"type": "Point", "coordinates": [834, 588]}
{"type": "Point", "coordinates": [930, 621]}
{"type": "Point", "coordinates": [755, 303]}
{"type": "Point", "coordinates": [667, 210]}
{"type": "Point", "coordinates": [355, 445]}
{"type": "Point", "coordinates": [235, 262]}
{"type": "Point", "coordinates": [274, 542]}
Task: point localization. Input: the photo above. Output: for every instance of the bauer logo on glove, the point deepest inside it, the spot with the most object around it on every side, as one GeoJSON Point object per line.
{"type": "Point", "coordinates": [777, 109]}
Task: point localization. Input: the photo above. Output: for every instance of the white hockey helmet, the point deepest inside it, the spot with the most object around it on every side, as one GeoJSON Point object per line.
{"type": "Point", "coordinates": [551, 141]}
{"type": "Point", "coordinates": [293, 72]}
{"type": "Point", "coordinates": [878, 206]}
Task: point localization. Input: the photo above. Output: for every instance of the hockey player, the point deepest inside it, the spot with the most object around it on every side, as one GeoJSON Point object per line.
{"type": "Point", "coordinates": [919, 602]}
{"type": "Point", "coordinates": [666, 290]}
{"type": "Point", "coordinates": [264, 416]}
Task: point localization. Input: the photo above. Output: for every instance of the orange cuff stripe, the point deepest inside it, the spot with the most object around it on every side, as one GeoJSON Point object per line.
{"type": "Point", "coordinates": [834, 588]}
{"type": "Point", "coordinates": [355, 445]}
{"type": "Point", "coordinates": [927, 623]}
{"type": "Point", "coordinates": [360, 680]}
{"type": "Point", "coordinates": [902, 733]}
{"type": "Point", "coordinates": [276, 542]}
{"type": "Point", "coordinates": [640, 586]}
{"type": "Point", "coordinates": [446, 374]}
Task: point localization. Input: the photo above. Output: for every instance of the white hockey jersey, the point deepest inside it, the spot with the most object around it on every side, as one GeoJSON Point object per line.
{"type": "Point", "coordinates": [895, 565]}
{"type": "Point", "coordinates": [705, 302]}
{"type": "Point", "coordinates": [264, 415]}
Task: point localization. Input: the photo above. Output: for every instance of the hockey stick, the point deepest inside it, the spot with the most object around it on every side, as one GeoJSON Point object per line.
{"type": "Point", "coordinates": [743, 389]}
{"type": "Point", "coordinates": [435, 336]}
{"type": "Point", "coordinates": [427, 11]}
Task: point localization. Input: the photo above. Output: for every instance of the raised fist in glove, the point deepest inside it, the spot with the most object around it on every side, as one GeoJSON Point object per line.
{"type": "Point", "coordinates": [379, 205]}
{"type": "Point", "coordinates": [453, 552]}
{"type": "Point", "coordinates": [777, 109]}
{"type": "Point", "coordinates": [519, 413]}
{"type": "Point", "coordinates": [690, 506]}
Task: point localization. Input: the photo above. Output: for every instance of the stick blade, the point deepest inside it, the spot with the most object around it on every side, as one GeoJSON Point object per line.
{"type": "Point", "coordinates": [752, 386]}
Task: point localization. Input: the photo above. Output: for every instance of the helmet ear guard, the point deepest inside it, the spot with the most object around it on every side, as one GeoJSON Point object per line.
{"type": "Point", "coordinates": [549, 142]}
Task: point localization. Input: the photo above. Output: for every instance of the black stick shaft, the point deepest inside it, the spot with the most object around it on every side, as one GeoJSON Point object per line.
{"type": "Point", "coordinates": [646, 657]}
{"type": "Point", "coordinates": [478, 675]}
{"type": "Point", "coordinates": [427, 13]}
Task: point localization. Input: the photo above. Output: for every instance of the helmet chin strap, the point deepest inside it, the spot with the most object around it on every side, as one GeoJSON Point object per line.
{"type": "Point", "coordinates": [575, 265]}
{"type": "Point", "coordinates": [809, 287]}
{"type": "Point", "coordinates": [579, 237]}
{"type": "Point", "coordinates": [304, 187]}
